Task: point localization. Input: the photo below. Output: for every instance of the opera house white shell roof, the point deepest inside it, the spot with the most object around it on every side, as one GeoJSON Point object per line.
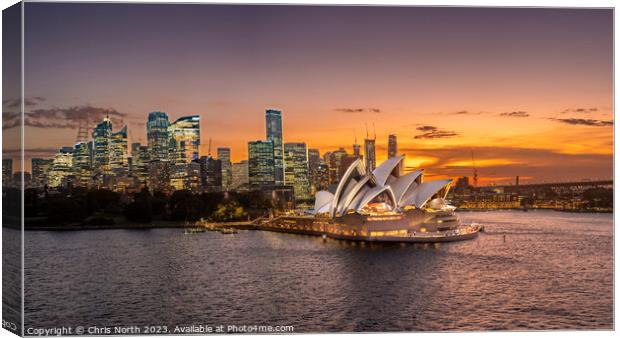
{"type": "Point", "coordinates": [386, 184]}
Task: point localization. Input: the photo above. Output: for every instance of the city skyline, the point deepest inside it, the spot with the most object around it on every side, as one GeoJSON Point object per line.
{"type": "Point", "coordinates": [528, 90]}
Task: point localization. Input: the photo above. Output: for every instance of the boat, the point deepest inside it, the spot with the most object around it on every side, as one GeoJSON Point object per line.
{"type": "Point", "coordinates": [382, 205]}
{"type": "Point", "coordinates": [204, 224]}
{"type": "Point", "coordinates": [193, 230]}
{"type": "Point", "coordinates": [228, 231]}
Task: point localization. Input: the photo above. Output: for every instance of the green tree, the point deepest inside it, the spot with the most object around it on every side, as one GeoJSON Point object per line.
{"type": "Point", "coordinates": [159, 203]}
{"type": "Point", "coordinates": [141, 209]}
{"type": "Point", "coordinates": [62, 209]}
{"type": "Point", "coordinates": [229, 211]}
{"type": "Point", "coordinates": [184, 206]}
{"type": "Point", "coordinates": [103, 200]}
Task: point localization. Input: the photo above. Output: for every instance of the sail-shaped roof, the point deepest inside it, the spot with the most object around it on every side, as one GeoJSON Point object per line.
{"type": "Point", "coordinates": [323, 201]}
{"type": "Point", "coordinates": [374, 192]}
{"type": "Point", "coordinates": [348, 197]}
{"type": "Point", "coordinates": [358, 187]}
{"type": "Point", "coordinates": [355, 171]}
{"type": "Point", "coordinates": [404, 184]}
{"type": "Point", "coordinates": [391, 166]}
{"type": "Point", "coordinates": [423, 192]}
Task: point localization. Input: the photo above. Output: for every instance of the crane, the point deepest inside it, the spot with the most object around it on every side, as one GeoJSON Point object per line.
{"type": "Point", "coordinates": [473, 164]}
{"type": "Point", "coordinates": [82, 134]}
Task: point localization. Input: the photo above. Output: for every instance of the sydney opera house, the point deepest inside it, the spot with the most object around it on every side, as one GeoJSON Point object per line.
{"type": "Point", "coordinates": [383, 205]}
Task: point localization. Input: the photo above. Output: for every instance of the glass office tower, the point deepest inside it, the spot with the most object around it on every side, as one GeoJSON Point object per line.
{"type": "Point", "coordinates": [274, 134]}
{"type": "Point", "coordinates": [296, 169]}
{"type": "Point", "coordinates": [184, 139]}
{"type": "Point", "coordinates": [157, 135]}
{"type": "Point", "coordinates": [101, 136]}
{"type": "Point", "coordinates": [261, 169]}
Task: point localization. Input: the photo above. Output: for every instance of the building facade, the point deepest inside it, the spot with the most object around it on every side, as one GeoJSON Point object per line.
{"type": "Point", "coordinates": [157, 135]}
{"type": "Point", "coordinates": [101, 137]}
{"type": "Point", "coordinates": [296, 169]}
{"type": "Point", "coordinates": [261, 168]}
{"type": "Point", "coordinates": [356, 150]}
{"type": "Point", "coordinates": [314, 159]}
{"type": "Point", "coordinates": [118, 152]}
{"type": "Point", "coordinates": [369, 153]}
{"type": "Point", "coordinates": [184, 139]}
{"type": "Point", "coordinates": [223, 154]}
{"type": "Point", "coordinates": [211, 174]}
{"type": "Point", "coordinates": [62, 167]}
{"type": "Point", "coordinates": [274, 134]}
{"type": "Point", "coordinates": [40, 170]}
{"type": "Point", "coordinates": [322, 177]}
{"type": "Point", "coordinates": [140, 162]}
{"type": "Point", "coordinates": [82, 163]}
{"type": "Point", "coordinates": [392, 146]}
{"type": "Point", "coordinates": [240, 177]}
{"type": "Point", "coordinates": [338, 161]}
{"type": "Point", "coordinates": [159, 175]}
{"type": "Point", "coordinates": [193, 177]}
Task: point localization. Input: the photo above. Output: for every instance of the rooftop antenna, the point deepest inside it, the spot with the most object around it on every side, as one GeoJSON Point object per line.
{"type": "Point", "coordinates": [209, 147]}
{"type": "Point", "coordinates": [374, 131]}
{"type": "Point", "coordinates": [354, 136]}
{"type": "Point", "coordinates": [366, 129]}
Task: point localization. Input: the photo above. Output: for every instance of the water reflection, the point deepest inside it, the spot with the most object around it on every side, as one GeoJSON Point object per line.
{"type": "Point", "coordinates": [553, 271]}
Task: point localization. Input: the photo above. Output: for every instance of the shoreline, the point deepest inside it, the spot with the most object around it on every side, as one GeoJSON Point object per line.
{"type": "Point", "coordinates": [163, 224]}
{"type": "Point", "coordinates": [540, 209]}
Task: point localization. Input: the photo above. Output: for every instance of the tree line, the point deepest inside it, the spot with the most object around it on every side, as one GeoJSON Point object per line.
{"type": "Point", "coordinates": [100, 206]}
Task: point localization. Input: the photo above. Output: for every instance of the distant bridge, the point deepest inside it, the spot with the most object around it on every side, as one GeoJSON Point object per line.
{"type": "Point", "coordinates": [580, 184]}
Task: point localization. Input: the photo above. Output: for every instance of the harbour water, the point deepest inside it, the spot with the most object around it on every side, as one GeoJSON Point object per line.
{"type": "Point", "coordinates": [529, 270]}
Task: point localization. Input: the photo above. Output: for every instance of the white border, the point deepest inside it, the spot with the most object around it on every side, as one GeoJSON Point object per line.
{"type": "Point", "coordinates": [470, 3]}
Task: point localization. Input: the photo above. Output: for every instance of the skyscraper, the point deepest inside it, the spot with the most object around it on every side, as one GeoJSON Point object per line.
{"type": "Point", "coordinates": [240, 179]}
{"type": "Point", "coordinates": [183, 147]}
{"type": "Point", "coordinates": [159, 175]}
{"type": "Point", "coordinates": [157, 135]}
{"type": "Point", "coordinates": [193, 177]}
{"type": "Point", "coordinates": [274, 134]}
{"type": "Point", "coordinates": [296, 169]}
{"type": "Point", "coordinates": [322, 177]}
{"type": "Point", "coordinates": [184, 139]}
{"type": "Point", "coordinates": [101, 136]}
{"type": "Point", "coordinates": [356, 150]}
{"type": "Point", "coordinates": [40, 169]}
{"type": "Point", "coordinates": [369, 150]}
{"type": "Point", "coordinates": [178, 174]}
{"type": "Point", "coordinates": [211, 174]}
{"type": "Point", "coordinates": [62, 167]}
{"type": "Point", "coordinates": [369, 153]}
{"type": "Point", "coordinates": [392, 146]}
{"type": "Point", "coordinates": [314, 159]}
{"type": "Point", "coordinates": [82, 163]}
{"type": "Point", "coordinates": [338, 162]}
{"type": "Point", "coordinates": [261, 168]}
{"type": "Point", "coordinates": [118, 151]}
{"type": "Point", "coordinates": [223, 154]}
{"type": "Point", "coordinates": [140, 161]}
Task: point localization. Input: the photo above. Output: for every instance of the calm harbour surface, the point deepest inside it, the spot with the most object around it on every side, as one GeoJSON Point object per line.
{"type": "Point", "coordinates": [529, 270]}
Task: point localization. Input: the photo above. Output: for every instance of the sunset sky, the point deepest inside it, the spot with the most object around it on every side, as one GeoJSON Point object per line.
{"type": "Point", "coordinates": [528, 90]}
